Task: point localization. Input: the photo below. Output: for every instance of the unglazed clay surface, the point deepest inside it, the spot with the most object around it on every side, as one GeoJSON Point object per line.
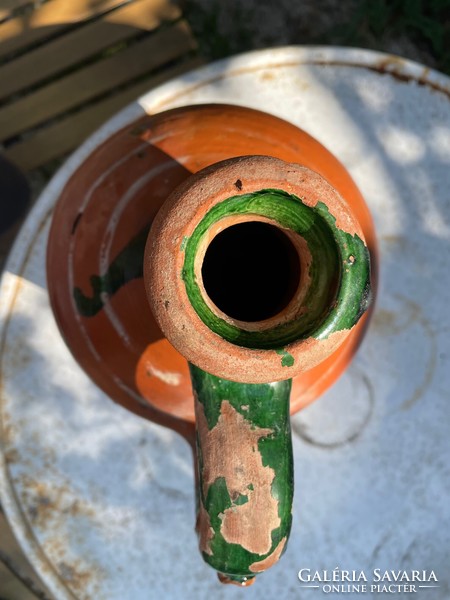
{"type": "Point", "coordinates": [331, 298]}
{"type": "Point", "coordinates": [245, 472]}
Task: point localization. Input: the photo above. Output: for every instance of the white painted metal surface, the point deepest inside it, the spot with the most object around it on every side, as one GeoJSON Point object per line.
{"type": "Point", "coordinates": [102, 502]}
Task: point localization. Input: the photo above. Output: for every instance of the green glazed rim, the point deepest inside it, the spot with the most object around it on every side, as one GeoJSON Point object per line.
{"type": "Point", "coordinates": [339, 290]}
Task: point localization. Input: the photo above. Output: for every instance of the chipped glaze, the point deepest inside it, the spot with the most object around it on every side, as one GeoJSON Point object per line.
{"type": "Point", "coordinates": [245, 477]}
{"type": "Point", "coordinates": [229, 450]}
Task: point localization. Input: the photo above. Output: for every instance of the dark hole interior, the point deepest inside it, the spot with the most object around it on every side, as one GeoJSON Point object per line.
{"type": "Point", "coordinates": [251, 271]}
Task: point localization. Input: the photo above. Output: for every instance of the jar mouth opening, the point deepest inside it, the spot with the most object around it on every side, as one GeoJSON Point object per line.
{"type": "Point", "coordinates": [311, 247]}
{"type": "Point", "coordinates": [252, 272]}
{"type": "Point", "coordinates": [333, 281]}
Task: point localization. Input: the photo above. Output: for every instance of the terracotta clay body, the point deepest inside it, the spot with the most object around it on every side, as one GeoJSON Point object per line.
{"type": "Point", "coordinates": [95, 267]}
{"type": "Point", "coordinates": [122, 347]}
{"type": "Point", "coordinates": [284, 222]}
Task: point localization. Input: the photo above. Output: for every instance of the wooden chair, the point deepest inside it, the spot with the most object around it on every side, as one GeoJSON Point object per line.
{"type": "Point", "coordinates": [68, 65]}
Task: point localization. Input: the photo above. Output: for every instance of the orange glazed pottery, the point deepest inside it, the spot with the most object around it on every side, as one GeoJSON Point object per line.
{"type": "Point", "coordinates": [257, 272]}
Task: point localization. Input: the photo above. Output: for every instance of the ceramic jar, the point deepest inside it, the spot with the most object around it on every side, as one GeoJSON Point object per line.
{"type": "Point", "coordinates": [257, 271]}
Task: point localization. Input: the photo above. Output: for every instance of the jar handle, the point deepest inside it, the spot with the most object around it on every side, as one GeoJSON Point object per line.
{"type": "Point", "coordinates": [244, 474]}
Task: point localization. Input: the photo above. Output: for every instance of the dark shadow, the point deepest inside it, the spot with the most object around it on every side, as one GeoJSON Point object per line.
{"type": "Point", "coordinates": [95, 259]}
{"type": "Point", "coordinates": [251, 271]}
{"type": "Point", "coordinates": [14, 194]}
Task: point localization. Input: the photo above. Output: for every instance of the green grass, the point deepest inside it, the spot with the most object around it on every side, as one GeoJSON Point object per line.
{"type": "Point", "coordinates": [426, 24]}
{"type": "Point", "coordinates": [374, 24]}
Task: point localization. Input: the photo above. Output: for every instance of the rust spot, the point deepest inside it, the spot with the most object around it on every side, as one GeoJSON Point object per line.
{"type": "Point", "coordinates": [266, 563]}
{"type": "Point", "coordinates": [12, 456]}
{"type": "Point", "coordinates": [9, 433]}
{"type": "Point", "coordinates": [268, 76]}
{"type": "Point", "coordinates": [393, 66]}
{"type": "Point", "coordinates": [390, 323]}
{"type": "Point", "coordinates": [398, 240]}
{"type": "Point", "coordinates": [55, 509]}
{"type": "Point", "coordinates": [204, 530]}
{"type": "Point", "coordinates": [387, 322]}
{"type": "Point", "coordinates": [75, 576]}
{"type": "Point", "coordinates": [229, 452]}
{"type": "Point", "coordinates": [49, 506]}
{"type": "Point", "coordinates": [378, 67]}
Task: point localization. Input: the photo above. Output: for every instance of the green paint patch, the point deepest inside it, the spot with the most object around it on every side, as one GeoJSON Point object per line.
{"type": "Point", "coordinates": [267, 407]}
{"type": "Point", "coordinates": [241, 499]}
{"type": "Point", "coordinates": [287, 359]}
{"type": "Point", "coordinates": [333, 299]}
{"type": "Point", "coordinates": [125, 267]}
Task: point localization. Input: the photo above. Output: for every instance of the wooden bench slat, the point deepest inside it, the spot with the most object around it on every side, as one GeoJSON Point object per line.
{"type": "Point", "coordinates": [60, 138]}
{"type": "Point", "coordinates": [8, 6]}
{"type": "Point", "coordinates": [104, 75]}
{"type": "Point", "coordinates": [19, 32]}
{"type": "Point", "coordinates": [75, 46]}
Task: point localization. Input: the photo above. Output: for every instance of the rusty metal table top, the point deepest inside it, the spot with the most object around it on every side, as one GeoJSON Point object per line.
{"type": "Point", "coordinates": [88, 487]}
